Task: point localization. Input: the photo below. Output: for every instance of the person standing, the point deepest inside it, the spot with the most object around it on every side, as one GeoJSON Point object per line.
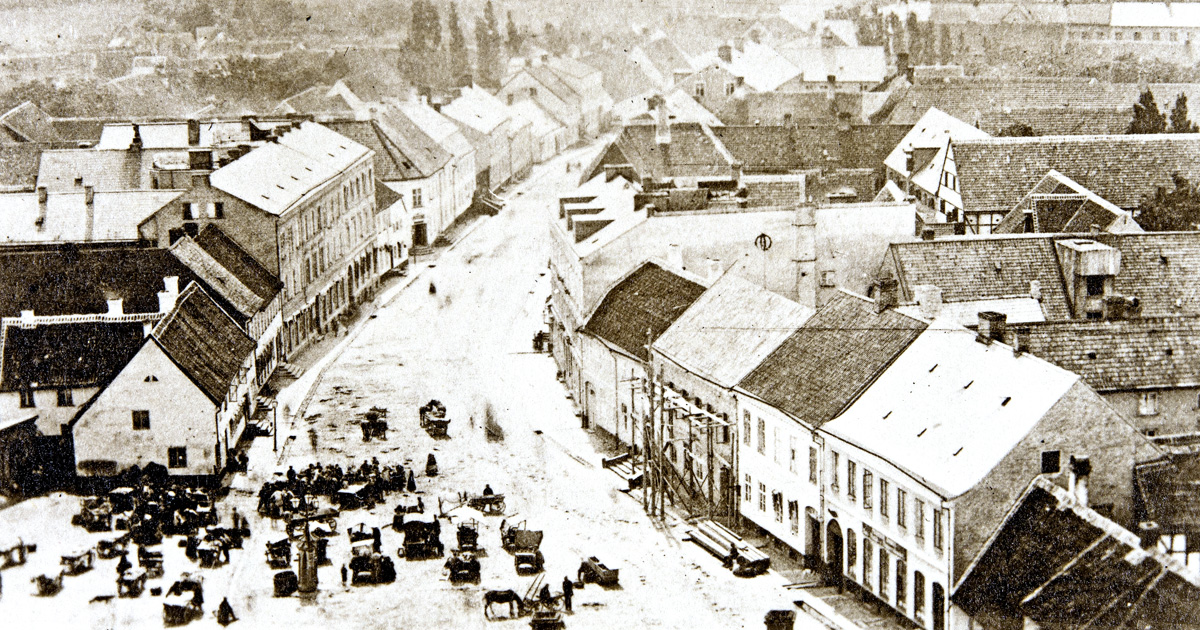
{"type": "Point", "coordinates": [568, 592]}
{"type": "Point", "coordinates": [344, 575]}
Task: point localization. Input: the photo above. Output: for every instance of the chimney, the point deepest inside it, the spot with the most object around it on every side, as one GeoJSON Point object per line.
{"type": "Point", "coordinates": [991, 326]}
{"type": "Point", "coordinates": [1020, 340]}
{"type": "Point", "coordinates": [662, 129]}
{"type": "Point", "coordinates": [1077, 479]}
{"type": "Point", "coordinates": [193, 132]}
{"type": "Point", "coordinates": [27, 318]}
{"type": "Point", "coordinates": [830, 87]}
{"type": "Point", "coordinates": [725, 52]}
{"type": "Point", "coordinates": [89, 200]}
{"type": "Point", "coordinates": [887, 296]}
{"type": "Point", "coordinates": [714, 269]}
{"type": "Point", "coordinates": [739, 44]}
{"type": "Point", "coordinates": [902, 66]}
{"type": "Point", "coordinates": [1149, 532]}
{"type": "Point", "coordinates": [43, 195]}
{"type": "Point", "coordinates": [675, 255]}
{"type": "Point", "coordinates": [927, 234]}
{"type": "Point", "coordinates": [929, 299]}
{"type": "Point", "coordinates": [136, 143]}
{"type": "Point", "coordinates": [167, 298]}
{"type": "Point", "coordinates": [116, 307]}
{"type": "Point", "coordinates": [1035, 289]}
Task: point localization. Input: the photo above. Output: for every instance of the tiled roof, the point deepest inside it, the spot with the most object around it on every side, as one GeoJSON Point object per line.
{"type": "Point", "coordinates": [1060, 121]}
{"type": "Point", "coordinates": [115, 216]}
{"type": "Point", "coordinates": [19, 165]}
{"type": "Point", "coordinates": [622, 77]}
{"type": "Point", "coordinates": [1079, 212]}
{"type": "Point", "coordinates": [552, 82]}
{"type": "Point", "coordinates": [317, 99]}
{"type": "Point", "coordinates": [680, 108]}
{"type": "Point", "coordinates": [1154, 352]}
{"type": "Point", "coordinates": [204, 342]}
{"type": "Point", "coordinates": [746, 322]}
{"type": "Point", "coordinates": [799, 147]}
{"type": "Point", "coordinates": [71, 280]}
{"type": "Point", "coordinates": [995, 173]}
{"type": "Point", "coordinates": [29, 124]}
{"type": "Point", "coordinates": [1167, 491]}
{"type": "Point", "coordinates": [277, 175]}
{"type": "Point", "coordinates": [80, 129]}
{"type": "Point", "coordinates": [690, 152]}
{"type": "Point", "coordinates": [423, 151]}
{"type": "Point", "coordinates": [241, 264]}
{"type": "Point", "coordinates": [103, 170]}
{"type": "Point", "coordinates": [1159, 268]}
{"type": "Point", "coordinates": [66, 355]}
{"type": "Point", "coordinates": [477, 109]}
{"type": "Point", "coordinates": [1058, 563]}
{"type": "Point", "coordinates": [641, 307]}
{"type": "Point", "coordinates": [858, 64]}
{"type": "Point", "coordinates": [804, 108]}
{"type": "Point", "coordinates": [391, 164]}
{"type": "Point", "coordinates": [666, 57]}
{"type": "Point", "coordinates": [969, 269]}
{"type": "Point", "coordinates": [385, 196]}
{"type": "Point", "coordinates": [822, 367]}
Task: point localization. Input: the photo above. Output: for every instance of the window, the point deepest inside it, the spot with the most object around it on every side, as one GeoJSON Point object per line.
{"type": "Point", "coordinates": [937, 529]}
{"type": "Point", "coordinates": [777, 505]}
{"type": "Point", "coordinates": [884, 573]}
{"type": "Point", "coordinates": [1156, 36]}
{"type": "Point", "coordinates": [762, 497]}
{"type": "Point", "coordinates": [177, 457]}
{"type": "Point", "coordinates": [868, 556]}
{"type": "Point", "coordinates": [794, 517]}
{"type": "Point", "coordinates": [749, 490]}
{"type": "Point", "coordinates": [851, 553]}
{"type": "Point", "coordinates": [901, 583]}
{"type": "Point", "coordinates": [775, 445]}
{"type": "Point", "coordinates": [189, 211]}
{"type": "Point", "coordinates": [724, 434]}
{"type": "Point", "coordinates": [65, 399]}
{"type": "Point", "coordinates": [27, 399]}
{"type": "Point", "coordinates": [1137, 36]}
{"type": "Point", "coordinates": [851, 479]}
{"type": "Point", "coordinates": [762, 436]}
{"type": "Point", "coordinates": [829, 278]}
{"type": "Point", "coordinates": [698, 89]}
{"type": "Point", "coordinates": [141, 419]}
{"type": "Point", "coordinates": [812, 464]}
{"type": "Point", "coordinates": [919, 520]}
{"type": "Point", "coordinates": [833, 472]}
{"type": "Point", "coordinates": [746, 432]}
{"type": "Point", "coordinates": [883, 499]}
{"type": "Point", "coordinates": [901, 508]}
{"type": "Point", "coordinates": [919, 596]}
{"type": "Point", "coordinates": [730, 88]}
{"type": "Point", "coordinates": [418, 200]}
{"type": "Point", "coordinates": [216, 210]}
{"type": "Point", "coordinates": [792, 453]}
{"type": "Point", "coordinates": [1095, 285]}
{"type": "Point", "coordinates": [1148, 404]}
{"type": "Point", "coordinates": [1050, 462]}
{"type": "Point", "coordinates": [866, 495]}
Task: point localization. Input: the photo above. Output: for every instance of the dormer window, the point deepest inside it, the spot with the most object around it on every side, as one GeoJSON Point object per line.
{"type": "Point", "coordinates": [1095, 285]}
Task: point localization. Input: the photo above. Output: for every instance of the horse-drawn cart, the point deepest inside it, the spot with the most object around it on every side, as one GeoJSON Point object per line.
{"type": "Point", "coordinates": [76, 563]}
{"type": "Point", "coordinates": [422, 537]}
{"type": "Point", "coordinates": [525, 545]}
{"type": "Point", "coordinates": [131, 583]}
{"type": "Point", "coordinates": [489, 504]}
{"type": "Point", "coordinates": [463, 567]}
{"type": "Point", "coordinates": [15, 553]}
{"type": "Point", "coordinates": [433, 418]}
{"type": "Point", "coordinates": [592, 570]}
{"type": "Point", "coordinates": [374, 424]}
{"type": "Point", "coordinates": [468, 535]}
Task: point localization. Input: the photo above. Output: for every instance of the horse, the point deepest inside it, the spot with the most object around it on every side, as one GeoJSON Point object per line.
{"type": "Point", "coordinates": [509, 597]}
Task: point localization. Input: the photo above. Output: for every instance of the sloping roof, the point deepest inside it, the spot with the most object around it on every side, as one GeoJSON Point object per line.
{"type": "Point", "coordinates": [969, 269]}
{"type": "Point", "coordinates": [781, 148]}
{"type": "Point", "coordinates": [949, 408]}
{"type": "Point", "coordinates": [744, 321]}
{"type": "Point", "coordinates": [204, 342]}
{"type": "Point", "coordinates": [1060, 121]}
{"type": "Point", "coordinates": [1167, 491]}
{"type": "Point", "coordinates": [223, 282]}
{"type": "Point", "coordinates": [554, 83]}
{"type": "Point", "coordinates": [1059, 563]}
{"type": "Point", "coordinates": [426, 155]}
{"type": "Point", "coordinates": [1072, 209]}
{"type": "Point", "coordinates": [666, 57]}
{"type": "Point", "coordinates": [275, 176]}
{"type": "Point", "coordinates": [639, 308]}
{"type": "Point", "coordinates": [240, 263]}
{"type": "Point", "coordinates": [385, 196]}
{"type": "Point", "coordinates": [680, 108]}
{"type": "Point", "coordinates": [102, 169]}
{"type": "Point", "coordinates": [995, 173]}
{"type": "Point", "coordinates": [66, 355]}
{"type": "Point", "coordinates": [1159, 268]}
{"type": "Point", "coordinates": [850, 64]}
{"type": "Point", "coordinates": [19, 165]}
{"type": "Point", "coordinates": [762, 67]}
{"type": "Point", "coordinates": [318, 99]}
{"type": "Point", "coordinates": [70, 279]}
{"type": "Point", "coordinates": [437, 127]}
{"type": "Point", "coordinates": [391, 162]}
{"type": "Point", "coordinates": [543, 123]}
{"type": "Point", "coordinates": [477, 109]}
{"type": "Point", "coordinates": [116, 215]}
{"type": "Point", "coordinates": [622, 77]}
{"type": "Point", "coordinates": [692, 151]}
{"type": "Point", "coordinates": [1124, 354]}
{"type": "Point", "coordinates": [29, 124]}
{"type": "Point", "coordinates": [823, 366]}
{"type": "Point", "coordinates": [934, 130]}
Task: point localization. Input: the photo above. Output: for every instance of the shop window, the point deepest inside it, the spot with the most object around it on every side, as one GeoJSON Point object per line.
{"type": "Point", "coordinates": [177, 457]}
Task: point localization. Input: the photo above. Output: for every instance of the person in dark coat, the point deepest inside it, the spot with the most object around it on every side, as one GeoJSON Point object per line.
{"type": "Point", "coordinates": [487, 490]}
{"type": "Point", "coordinates": [123, 565]}
{"type": "Point", "coordinates": [344, 575]}
{"type": "Point", "coordinates": [568, 592]}
{"type": "Point", "coordinates": [225, 614]}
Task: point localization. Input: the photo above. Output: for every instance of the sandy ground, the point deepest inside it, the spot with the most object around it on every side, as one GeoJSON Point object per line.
{"type": "Point", "coordinates": [468, 345]}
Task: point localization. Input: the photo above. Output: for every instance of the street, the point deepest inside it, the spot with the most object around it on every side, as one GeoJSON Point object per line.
{"type": "Point", "coordinates": [468, 343]}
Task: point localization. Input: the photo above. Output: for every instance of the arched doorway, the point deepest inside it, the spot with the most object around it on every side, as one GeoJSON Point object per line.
{"type": "Point", "coordinates": [833, 552]}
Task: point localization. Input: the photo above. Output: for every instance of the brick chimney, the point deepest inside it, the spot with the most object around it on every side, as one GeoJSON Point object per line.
{"type": "Point", "coordinates": [193, 127]}
{"type": "Point", "coordinates": [136, 143]}
{"type": "Point", "coordinates": [662, 128]}
{"type": "Point", "coordinates": [42, 196]}
{"type": "Point", "coordinates": [116, 306]}
{"type": "Point", "coordinates": [725, 53]}
{"type": "Point", "coordinates": [89, 200]}
{"type": "Point", "coordinates": [888, 294]}
{"type": "Point", "coordinates": [167, 298]}
{"type": "Point", "coordinates": [992, 326]}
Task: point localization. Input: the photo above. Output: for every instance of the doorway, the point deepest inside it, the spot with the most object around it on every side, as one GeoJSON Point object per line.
{"type": "Point", "coordinates": [420, 236]}
{"type": "Point", "coordinates": [833, 555]}
{"type": "Point", "coordinates": [939, 607]}
{"type": "Point", "coordinates": [812, 542]}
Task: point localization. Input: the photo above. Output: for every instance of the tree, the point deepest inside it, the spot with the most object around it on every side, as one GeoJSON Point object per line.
{"type": "Point", "coordinates": [1017, 130]}
{"type": "Point", "coordinates": [1146, 116]}
{"type": "Point", "coordinates": [487, 48]}
{"type": "Point", "coordinates": [916, 43]}
{"type": "Point", "coordinates": [460, 61]}
{"type": "Point", "coordinates": [946, 44]}
{"type": "Point", "coordinates": [515, 41]}
{"type": "Point", "coordinates": [1168, 210]}
{"type": "Point", "coordinates": [1179, 117]}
